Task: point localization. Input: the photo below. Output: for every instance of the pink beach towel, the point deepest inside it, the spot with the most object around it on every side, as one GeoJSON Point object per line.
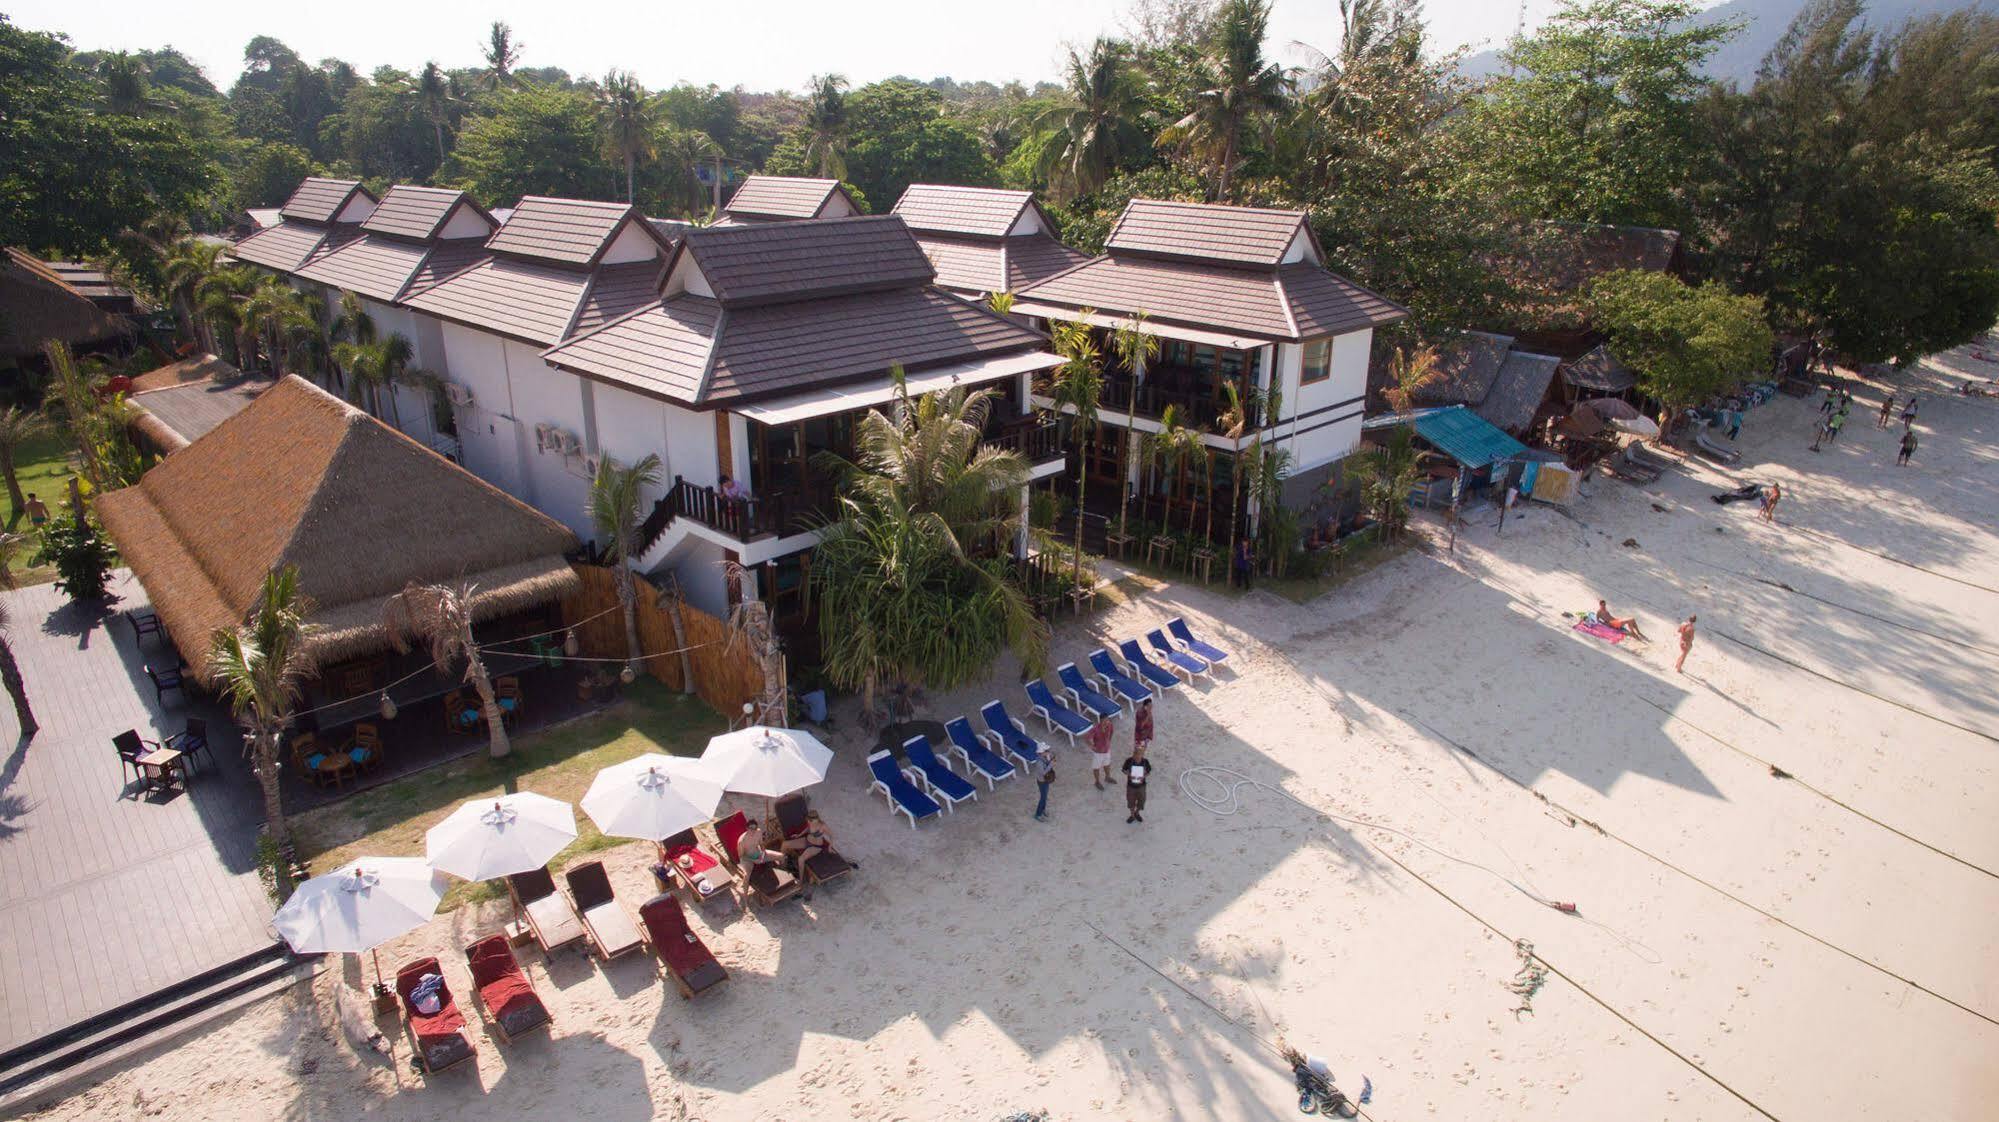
{"type": "Point", "coordinates": [1602, 631]}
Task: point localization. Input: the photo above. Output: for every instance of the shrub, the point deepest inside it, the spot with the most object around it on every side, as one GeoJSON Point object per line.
{"type": "Point", "coordinates": [81, 555]}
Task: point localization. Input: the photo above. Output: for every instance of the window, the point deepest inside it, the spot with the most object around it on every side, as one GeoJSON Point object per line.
{"type": "Point", "coordinates": [1318, 362]}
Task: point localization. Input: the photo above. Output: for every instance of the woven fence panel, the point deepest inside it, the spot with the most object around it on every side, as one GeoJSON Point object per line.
{"type": "Point", "coordinates": [725, 674]}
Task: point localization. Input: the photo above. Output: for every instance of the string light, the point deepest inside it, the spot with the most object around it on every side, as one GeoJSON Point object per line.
{"type": "Point", "coordinates": [628, 675]}
{"type": "Point", "coordinates": [388, 707]}
{"type": "Point", "coordinates": [569, 645]}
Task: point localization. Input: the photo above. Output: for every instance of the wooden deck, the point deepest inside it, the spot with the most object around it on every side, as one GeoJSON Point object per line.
{"type": "Point", "coordinates": [106, 896]}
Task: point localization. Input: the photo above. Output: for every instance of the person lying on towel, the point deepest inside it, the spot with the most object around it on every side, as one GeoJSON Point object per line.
{"type": "Point", "coordinates": [1626, 624]}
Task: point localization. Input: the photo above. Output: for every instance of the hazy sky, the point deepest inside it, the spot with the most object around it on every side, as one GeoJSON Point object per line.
{"type": "Point", "coordinates": [759, 44]}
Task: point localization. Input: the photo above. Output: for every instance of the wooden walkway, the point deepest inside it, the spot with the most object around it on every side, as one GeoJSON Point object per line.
{"type": "Point", "coordinates": [105, 895]}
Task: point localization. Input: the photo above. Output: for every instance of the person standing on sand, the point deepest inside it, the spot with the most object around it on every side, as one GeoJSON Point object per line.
{"type": "Point", "coordinates": [1141, 725]}
{"type": "Point", "coordinates": [1770, 498]}
{"type": "Point", "coordinates": [1887, 411]}
{"type": "Point", "coordinates": [1245, 562]}
{"type": "Point", "coordinates": [1825, 407]}
{"type": "Point", "coordinates": [1833, 426]}
{"type": "Point", "coordinates": [1137, 770]}
{"type": "Point", "coordinates": [1043, 770]}
{"type": "Point", "coordinates": [1506, 504]}
{"type": "Point", "coordinates": [1099, 739]}
{"type": "Point", "coordinates": [1686, 644]}
{"type": "Point", "coordinates": [1909, 411]}
{"type": "Point", "coordinates": [1908, 447]}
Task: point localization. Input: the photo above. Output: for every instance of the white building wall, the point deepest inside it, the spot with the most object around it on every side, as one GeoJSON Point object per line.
{"type": "Point", "coordinates": [489, 436]}
{"type": "Point", "coordinates": [1322, 420]}
{"type": "Point", "coordinates": [545, 395]}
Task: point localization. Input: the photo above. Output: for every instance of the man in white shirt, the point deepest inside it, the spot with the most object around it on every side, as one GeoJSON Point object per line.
{"type": "Point", "coordinates": [1137, 769]}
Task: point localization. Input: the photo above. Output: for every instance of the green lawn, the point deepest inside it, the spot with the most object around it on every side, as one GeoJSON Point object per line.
{"type": "Point", "coordinates": [42, 465]}
{"type": "Point", "coordinates": [390, 820]}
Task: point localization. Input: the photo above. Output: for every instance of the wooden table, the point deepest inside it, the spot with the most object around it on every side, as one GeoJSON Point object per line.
{"type": "Point", "coordinates": [162, 768]}
{"type": "Point", "coordinates": [336, 766]}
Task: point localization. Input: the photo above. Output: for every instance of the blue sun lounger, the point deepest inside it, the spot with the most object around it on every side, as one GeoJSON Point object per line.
{"type": "Point", "coordinates": [1053, 713]}
{"type": "Point", "coordinates": [974, 752]}
{"type": "Point", "coordinates": [1190, 665]}
{"type": "Point", "coordinates": [1177, 627]}
{"type": "Point", "coordinates": [1147, 671]}
{"type": "Point", "coordinates": [1013, 739]}
{"type": "Point", "coordinates": [945, 785]}
{"type": "Point", "coordinates": [1115, 680]}
{"type": "Point", "coordinates": [903, 796]}
{"type": "Point", "coordinates": [1085, 699]}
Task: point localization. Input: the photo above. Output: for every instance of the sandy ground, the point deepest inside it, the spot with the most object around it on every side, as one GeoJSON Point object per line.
{"type": "Point", "coordinates": [1745, 947]}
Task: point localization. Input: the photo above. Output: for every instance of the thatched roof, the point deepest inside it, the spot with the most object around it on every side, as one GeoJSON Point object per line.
{"type": "Point", "coordinates": [1599, 370]}
{"type": "Point", "coordinates": [300, 477]}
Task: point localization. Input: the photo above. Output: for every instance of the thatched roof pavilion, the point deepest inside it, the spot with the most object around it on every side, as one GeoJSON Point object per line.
{"type": "Point", "coordinates": [300, 477]}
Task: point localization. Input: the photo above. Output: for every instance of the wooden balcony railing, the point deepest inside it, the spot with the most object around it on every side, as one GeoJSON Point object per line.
{"type": "Point", "coordinates": [788, 511]}
{"type": "Point", "coordinates": [1030, 440]}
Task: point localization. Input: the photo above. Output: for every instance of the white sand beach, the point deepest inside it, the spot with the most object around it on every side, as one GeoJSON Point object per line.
{"type": "Point", "coordinates": [1745, 946]}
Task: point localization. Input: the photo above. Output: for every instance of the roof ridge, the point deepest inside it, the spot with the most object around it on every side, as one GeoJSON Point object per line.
{"type": "Point", "coordinates": [714, 352]}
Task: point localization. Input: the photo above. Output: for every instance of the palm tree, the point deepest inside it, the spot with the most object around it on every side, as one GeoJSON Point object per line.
{"type": "Point", "coordinates": [1235, 422]}
{"type": "Point", "coordinates": [375, 370]}
{"type": "Point", "coordinates": [1386, 472]}
{"type": "Point", "coordinates": [826, 125]}
{"type": "Point", "coordinates": [351, 325]}
{"type": "Point", "coordinates": [10, 676]}
{"type": "Point", "coordinates": [258, 668]}
{"type": "Point", "coordinates": [219, 298]}
{"type": "Point", "coordinates": [273, 308]}
{"type": "Point", "coordinates": [616, 495]}
{"type": "Point", "coordinates": [501, 53]}
{"type": "Point", "coordinates": [1000, 302]}
{"type": "Point", "coordinates": [1409, 371]}
{"type": "Point", "coordinates": [1267, 468]}
{"type": "Point", "coordinates": [71, 392]}
{"type": "Point", "coordinates": [17, 427]}
{"type": "Point", "coordinates": [128, 88]}
{"type": "Point", "coordinates": [442, 615]}
{"type": "Point", "coordinates": [1078, 387]}
{"type": "Point", "coordinates": [435, 92]}
{"type": "Point", "coordinates": [1135, 349]}
{"type": "Point", "coordinates": [686, 152]}
{"type": "Point", "coordinates": [187, 265]}
{"type": "Point", "coordinates": [912, 583]}
{"type": "Point", "coordinates": [1245, 92]}
{"type": "Point", "coordinates": [1180, 448]}
{"type": "Point", "coordinates": [1096, 128]}
{"type": "Point", "coordinates": [628, 124]}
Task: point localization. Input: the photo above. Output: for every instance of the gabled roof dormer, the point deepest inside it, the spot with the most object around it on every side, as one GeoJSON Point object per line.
{"type": "Point", "coordinates": [1228, 235]}
{"type": "Point", "coordinates": [429, 213]}
{"type": "Point", "coordinates": [779, 198]}
{"type": "Point", "coordinates": [577, 232]}
{"type": "Point", "coordinates": [329, 201]}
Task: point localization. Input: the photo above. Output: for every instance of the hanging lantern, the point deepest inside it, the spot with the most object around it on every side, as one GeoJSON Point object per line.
{"type": "Point", "coordinates": [388, 707]}
{"type": "Point", "coordinates": [628, 675]}
{"type": "Point", "coordinates": [569, 644]}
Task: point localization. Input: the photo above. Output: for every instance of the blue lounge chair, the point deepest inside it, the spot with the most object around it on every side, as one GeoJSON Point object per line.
{"type": "Point", "coordinates": [1085, 699]}
{"type": "Point", "coordinates": [945, 785]}
{"type": "Point", "coordinates": [1177, 659]}
{"type": "Point", "coordinates": [1177, 627]}
{"type": "Point", "coordinates": [1053, 713]}
{"type": "Point", "coordinates": [1115, 680]}
{"type": "Point", "coordinates": [1144, 669]}
{"type": "Point", "coordinates": [903, 796]}
{"type": "Point", "coordinates": [1014, 742]}
{"type": "Point", "coordinates": [975, 753]}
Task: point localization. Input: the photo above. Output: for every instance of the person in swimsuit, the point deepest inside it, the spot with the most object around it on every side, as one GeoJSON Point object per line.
{"type": "Point", "coordinates": [1686, 644]}
{"type": "Point", "coordinates": [1627, 624]}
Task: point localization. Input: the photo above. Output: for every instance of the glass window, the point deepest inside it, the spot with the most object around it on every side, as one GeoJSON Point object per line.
{"type": "Point", "coordinates": [1318, 361]}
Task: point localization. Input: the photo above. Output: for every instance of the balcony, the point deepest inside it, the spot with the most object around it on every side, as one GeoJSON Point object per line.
{"type": "Point", "coordinates": [1029, 439]}
{"type": "Point", "coordinates": [780, 512]}
{"type": "Point", "coordinates": [1195, 390]}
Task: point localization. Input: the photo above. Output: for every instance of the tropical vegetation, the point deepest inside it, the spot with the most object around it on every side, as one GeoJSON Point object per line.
{"type": "Point", "coordinates": [258, 669]}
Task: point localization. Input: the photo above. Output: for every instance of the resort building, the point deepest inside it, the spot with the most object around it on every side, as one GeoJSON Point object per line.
{"type": "Point", "coordinates": [786, 198]}
{"type": "Point", "coordinates": [984, 240]}
{"type": "Point", "coordinates": [1236, 296]}
{"type": "Point", "coordinates": [320, 217]}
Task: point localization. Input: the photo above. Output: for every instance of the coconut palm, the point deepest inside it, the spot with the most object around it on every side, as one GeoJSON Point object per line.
{"type": "Point", "coordinates": [1268, 467]}
{"type": "Point", "coordinates": [1235, 423]}
{"type": "Point", "coordinates": [10, 676]}
{"type": "Point", "coordinates": [375, 370]}
{"type": "Point", "coordinates": [1077, 388]}
{"type": "Point", "coordinates": [1245, 92]}
{"type": "Point", "coordinates": [826, 125]}
{"type": "Point", "coordinates": [1386, 472]}
{"type": "Point", "coordinates": [434, 90]}
{"type": "Point", "coordinates": [628, 114]}
{"type": "Point", "coordinates": [1180, 449]}
{"type": "Point", "coordinates": [72, 396]}
{"type": "Point", "coordinates": [501, 54]}
{"type": "Point", "coordinates": [187, 265]}
{"type": "Point", "coordinates": [685, 152]}
{"type": "Point", "coordinates": [912, 582]}
{"type": "Point", "coordinates": [17, 427]}
{"type": "Point", "coordinates": [441, 615]}
{"type": "Point", "coordinates": [257, 668]}
{"type": "Point", "coordinates": [1097, 126]}
{"type": "Point", "coordinates": [616, 495]}
{"type": "Point", "coordinates": [1409, 371]}
{"type": "Point", "coordinates": [1135, 349]}
{"type": "Point", "coordinates": [219, 298]}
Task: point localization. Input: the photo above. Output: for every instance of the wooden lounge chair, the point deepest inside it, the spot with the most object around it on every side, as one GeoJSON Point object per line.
{"type": "Point", "coordinates": [438, 1039]}
{"type": "Point", "coordinates": [610, 926]}
{"type": "Point", "coordinates": [704, 878]}
{"type": "Point", "coordinates": [550, 916]}
{"type": "Point", "coordinates": [767, 882]}
{"type": "Point", "coordinates": [825, 865]}
{"type": "Point", "coordinates": [503, 991]}
{"type": "Point", "coordinates": [687, 959]}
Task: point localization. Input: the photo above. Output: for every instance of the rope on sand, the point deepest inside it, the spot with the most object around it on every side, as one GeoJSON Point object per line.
{"type": "Point", "coordinates": [1780, 773]}
{"type": "Point", "coordinates": [1856, 689]}
{"type": "Point", "coordinates": [1966, 643]}
{"type": "Point", "coordinates": [1885, 557]}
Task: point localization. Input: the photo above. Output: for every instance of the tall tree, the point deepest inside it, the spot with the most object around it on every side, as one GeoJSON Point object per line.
{"type": "Point", "coordinates": [1686, 342]}
{"type": "Point", "coordinates": [501, 53]}
{"type": "Point", "coordinates": [1136, 349]}
{"type": "Point", "coordinates": [1246, 93]}
{"type": "Point", "coordinates": [531, 141]}
{"type": "Point", "coordinates": [441, 615]}
{"type": "Point", "coordinates": [1077, 388]}
{"type": "Point", "coordinates": [616, 494]}
{"type": "Point", "coordinates": [826, 126]}
{"type": "Point", "coordinates": [17, 427]}
{"type": "Point", "coordinates": [1096, 128]}
{"type": "Point", "coordinates": [628, 124]}
{"type": "Point", "coordinates": [258, 668]}
{"type": "Point", "coordinates": [435, 92]}
{"type": "Point", "coordinates": [10, 677]}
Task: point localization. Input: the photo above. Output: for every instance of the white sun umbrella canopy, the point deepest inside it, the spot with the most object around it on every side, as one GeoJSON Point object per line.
{"type": "Point", "coordinates": [760, 760]}
{"type": "Point", "coordinates": [653, 796]}
{"type": "Point", "coordinates": [360, 905]}
{"type": "Point", "coordinates": [489, 838]}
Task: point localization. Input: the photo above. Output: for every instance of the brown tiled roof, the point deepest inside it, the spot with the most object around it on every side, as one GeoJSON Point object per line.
{"type": "Point", "coordinates": [785, 348]}
{"type": "Point", "coordinates": [518, 299]}
{"type": "Point", "coordinates": [360, 509]}
{"type": "Point", "coordinates": [933, 208]}
{"type": "Point", "coordinates": [283, 247]}
{"type": "Point", "coordinates": [376, 267]}
{"type": "Point", "coordinates": [413, 212]}
{"type": "Point", "coordinates": [967, 264]}
{"type": "Point", "coordinates": [173, 417]}
{"type": "Point", "coordinates": [661, 351]}
{"type": "Point", "coordinates": [1295, 302]}
{"type": "Point", "coordinates": [200, 368]}
{"type": "Point", "coordinates": [1204, 231]}
{"type": "Point", "coordinates": [615, 290]}
{"type": "Point", "coordinates": [800, 260]}
{"type": "Point", "coordinates": [780, 196]}
{"type": "Point", "coordinates": [1032, 260]}
{"type": "Point", "coordinates": [319, 200]}
{"type": "Point", "coordinates": [568, 231]}
{"type": "Point", "coordinates": [336, 238]}
{"type": "Point", "coordinates": [446, 260]}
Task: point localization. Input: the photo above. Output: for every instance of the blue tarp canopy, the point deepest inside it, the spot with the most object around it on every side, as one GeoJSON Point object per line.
{"type": "Point", "coordinates": [1465, 436]}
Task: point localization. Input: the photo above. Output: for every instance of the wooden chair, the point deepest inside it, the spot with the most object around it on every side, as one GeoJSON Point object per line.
{"type": "Point", "coordinates": [460, 715]}
{"type": "Point", "coordinates": [367, 751]}
{"type": "Point", "coordinates": [507, 691]}
{"type": "Point", "coordinates": [164, 679]}
{"type": "Point", "coordinates": [144, 624]}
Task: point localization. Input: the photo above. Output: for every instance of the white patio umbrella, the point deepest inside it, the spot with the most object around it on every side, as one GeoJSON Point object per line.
{"type": "Point", "coordinates": [360, 906]}
{"type": "Point", "coordinates": [1638, 426]}
{"type": "Point", "coordinates": [489, 838]}
{"type": "Point", "coordinates": [653, 796]}
{"type": "Point", "coordinates": [760, 760]}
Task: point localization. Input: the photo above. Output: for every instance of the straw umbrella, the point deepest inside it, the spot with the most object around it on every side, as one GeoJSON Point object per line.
{"type": "Point", "coordinates": [360, 906]}
{"type": "Point", "coordinates": [484, 839]}
{"type": "Point", "coordinates": [652, 796]}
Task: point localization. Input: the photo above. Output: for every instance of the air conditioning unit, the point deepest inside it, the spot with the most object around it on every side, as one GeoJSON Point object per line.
{"type": "Point", "coordinates": [458, 395]}
{"type": "Point", "coordinates": [567, 443]}
{"type": "Point", "coordinates": [590, 465]}
{"type": "Point", "coordinates": [544, 436]}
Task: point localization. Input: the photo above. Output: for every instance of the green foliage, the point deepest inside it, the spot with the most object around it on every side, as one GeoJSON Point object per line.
{"type": "Point", "coordinates": [1095, 129]}
{"type": "Point", "coordinates": [1087, 222]}
{"type": "Point", "coordinates": [1384, 474]}
{"type": "Point", "coordinates": [81, 555]}
{"type": "Point", "coordinates": [1240, 94]}
{"type": "Point", "coordinates": [898, 136]}
{"type": "Point", "coordinates": [532, 141]}
{"type": "Point", "coordinates": [1686, 342]}
{"type": "Point", "coordinates": [266, 172]}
